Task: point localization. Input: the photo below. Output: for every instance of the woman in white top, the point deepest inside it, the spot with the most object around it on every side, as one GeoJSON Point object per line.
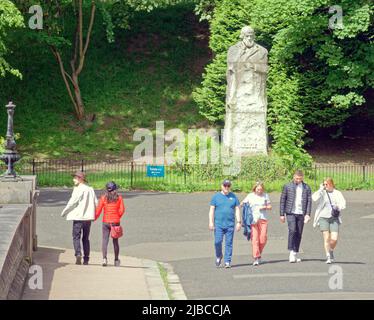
{"type": "Point", "coordinates": [328, 224]}
{"type": "Point", "coordinates": [259, 202]}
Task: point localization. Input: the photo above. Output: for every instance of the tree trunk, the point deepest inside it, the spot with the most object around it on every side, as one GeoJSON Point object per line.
{"type": "Point", "coordinates": [78, 99]}
{"type": "Point", "coordinates": [77, 62]}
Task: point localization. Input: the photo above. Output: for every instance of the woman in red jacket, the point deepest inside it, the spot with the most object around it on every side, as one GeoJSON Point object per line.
{"type": "Point", "coordinates": [113, 206]}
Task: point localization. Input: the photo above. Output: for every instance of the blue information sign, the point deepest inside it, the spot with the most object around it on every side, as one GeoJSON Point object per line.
{"type": "Point", "coordinates": [156, 171]}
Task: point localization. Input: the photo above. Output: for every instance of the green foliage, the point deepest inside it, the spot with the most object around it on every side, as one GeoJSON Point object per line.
{"type": "Point", "coordinates": [210, 97]}
{"type": "Point", "coordinates": [149, 5]}
{"type": "Point", "coordinates": [146, 75]}
{"type": "Point", "coordinates": [228, 19]}
{"type": "Point", "coordinates": [265, 168]}
{"type": "Point", "coordinates": [286, 120]}
{"type": "Point", "coordinates": [319, 73]}
{"type": "Point", "coordinates": [205, 8]}
{"type": "Point", "coordinates": [2, 149]}
{"type": "Point", "coordinates": [10, 17]}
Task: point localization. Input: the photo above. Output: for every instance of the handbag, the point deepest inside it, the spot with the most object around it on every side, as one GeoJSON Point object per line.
{"type": "Point", "coordinates": [334, 212]}
{"type": "Point", "coordinates": [116, 231]}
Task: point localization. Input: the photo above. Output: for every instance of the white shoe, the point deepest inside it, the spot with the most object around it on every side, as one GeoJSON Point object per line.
{"type": "Point", "coordinates": [328, 260]}
{"type": "Point", "coordinates": [297, 258]}
{"type": "Point", "coordinates": [292, 257]}
{"type": "Point", "coordinates": [256, 262]}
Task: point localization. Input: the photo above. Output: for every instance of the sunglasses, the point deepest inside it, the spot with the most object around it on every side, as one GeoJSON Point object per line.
{"type": "Point", "coordinates": [227, 185]}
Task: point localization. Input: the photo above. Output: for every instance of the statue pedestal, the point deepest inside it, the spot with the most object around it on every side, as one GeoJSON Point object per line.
{"type": "Point", "coordinates": [247, 134]}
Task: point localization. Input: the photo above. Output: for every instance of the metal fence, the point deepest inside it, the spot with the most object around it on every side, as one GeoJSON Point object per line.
{"type": "Point", "coordinates": [131, 175]}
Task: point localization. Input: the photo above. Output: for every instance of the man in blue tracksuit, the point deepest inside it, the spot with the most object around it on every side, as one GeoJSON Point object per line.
{"type": "Point", "coordinates": [224, 207]}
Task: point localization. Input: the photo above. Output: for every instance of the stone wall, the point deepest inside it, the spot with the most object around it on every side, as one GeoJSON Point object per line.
{"type": "Point", "coordinates": [17, 234]}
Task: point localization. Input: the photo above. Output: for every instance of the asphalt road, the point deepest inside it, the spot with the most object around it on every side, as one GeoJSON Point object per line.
{"type": "Point", "coordinates": [173, 228]}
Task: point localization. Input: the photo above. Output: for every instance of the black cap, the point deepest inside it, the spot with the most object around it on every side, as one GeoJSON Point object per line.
{"type": "Point", "coordinates": [110, 186]}
{"type": "Point", "coordinates": [226, 182]}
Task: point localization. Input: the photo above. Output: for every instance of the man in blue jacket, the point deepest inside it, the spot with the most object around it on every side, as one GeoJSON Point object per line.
{"type": "Point", "coordinates": [296, 205]}
{"type": "Point", "coordinates": [224, 207]}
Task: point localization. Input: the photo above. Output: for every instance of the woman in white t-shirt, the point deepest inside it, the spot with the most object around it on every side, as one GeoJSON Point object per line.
{"type": "Point", "coordinates": [327, 198]}
{"type": "Point", "coordinates": [259, 202]}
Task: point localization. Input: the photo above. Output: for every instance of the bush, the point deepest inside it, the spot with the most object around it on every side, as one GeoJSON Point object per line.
{"type": "Point", "coordinates": [229, 17]}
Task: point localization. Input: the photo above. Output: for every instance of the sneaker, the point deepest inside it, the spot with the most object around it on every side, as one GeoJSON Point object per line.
{"type": "Point", "coordinates": [85, 262]}
{"type": "Point", "coordinates": [297, 258]}
{"type": "Point", "coordinates": [227, 265]}
{"type": "Point", "coordinates": [332, 258]}
{"type": "Point", "coordinates": [105, 262]}
{"type": "Point", "coordinates": [328, 260]}
{"type": "Point", "coordinates": [256, 262]}
{"type": "Point", "coordinates": [218, 262]}
{"type": "Point", "coordinates": [117, 263]}
{"type": "Point", "coordinates": [292, 257]}
{"type": "Point", "coordinates": [78, 260]}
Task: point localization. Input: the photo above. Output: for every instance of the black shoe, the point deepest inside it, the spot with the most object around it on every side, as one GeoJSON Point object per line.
{"type": "Point", "coordinates": [85, 261]}
{"type": "Point", "coordinates": [332, 258]}
{"type": "Point", "coordinates": [78, 260]}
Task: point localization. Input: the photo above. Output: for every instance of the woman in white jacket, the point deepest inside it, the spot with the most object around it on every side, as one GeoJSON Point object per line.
{"type": "Point", "coordinates": [328, 224]}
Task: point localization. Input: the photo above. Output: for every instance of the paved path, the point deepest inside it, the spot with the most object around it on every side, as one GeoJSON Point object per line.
{"type": "Point", "coordinates": [173, 228]}
{"type": "Point", "coordinates": [135, 279]}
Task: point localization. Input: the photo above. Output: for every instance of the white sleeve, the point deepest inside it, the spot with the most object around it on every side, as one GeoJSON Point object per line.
{"type": "Point", "coordinates": [246, 199]}
{"type": "Point", "coordinates": [75, 196]}
{"type": "Point", "coordinates": [341, 201]}
{"type": "Point", "coordinates": [94, 196]}
{"type": "Point", "coordinates": [316, 196]}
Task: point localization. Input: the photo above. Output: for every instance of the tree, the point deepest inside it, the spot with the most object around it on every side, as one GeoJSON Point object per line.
{"type": "Point", "coordinates": [10, 17]}
{"type": "Point", "coordinates": [58, 36]}
{"type": "Point", "coordinates": [55, 36]}
{"type": "Point", "coordinates": [80, 47]}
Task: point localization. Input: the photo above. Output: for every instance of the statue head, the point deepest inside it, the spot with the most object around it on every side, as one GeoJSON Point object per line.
{"type": "Point", "coordinates": [247, 35]}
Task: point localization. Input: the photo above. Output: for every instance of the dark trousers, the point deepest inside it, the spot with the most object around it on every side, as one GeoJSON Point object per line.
{"type": "Point", "coordinates": [295, 231]}
{"type": "Point", "coordinates": [81, 232]}
{"type": "Point", "coordinates": [106, 235]}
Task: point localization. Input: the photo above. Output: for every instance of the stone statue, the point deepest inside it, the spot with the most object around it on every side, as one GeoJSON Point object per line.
{"type": "Point", "coordinates": [246, 104]}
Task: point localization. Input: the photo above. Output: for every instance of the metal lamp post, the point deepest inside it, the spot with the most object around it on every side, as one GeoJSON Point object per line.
{"type": "Point", "coordinates": [10, 155]}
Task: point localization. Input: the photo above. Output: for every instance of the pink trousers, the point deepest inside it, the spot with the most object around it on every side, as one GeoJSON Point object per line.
{"type": "Point", "coordinates": [259, 237]}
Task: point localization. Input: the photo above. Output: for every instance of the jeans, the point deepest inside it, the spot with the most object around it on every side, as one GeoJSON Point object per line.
{"type": "Point", "coordinates": [295, 231]}
{"type": "Point", "coordinates": [106, 235]}
{"type": "Point", "coordinates": [229, 237]}
{"type": "Point", "coordinates": [79, 228]}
